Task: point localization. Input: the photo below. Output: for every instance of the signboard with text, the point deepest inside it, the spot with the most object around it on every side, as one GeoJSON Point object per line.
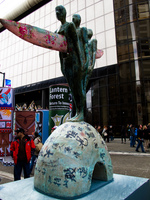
{"type": "Point", "coordinates": [6, 119]}
{"type": "Point", "coordinates": [6, 97]}
{"type": "Point", "coordinates": [60, 104]}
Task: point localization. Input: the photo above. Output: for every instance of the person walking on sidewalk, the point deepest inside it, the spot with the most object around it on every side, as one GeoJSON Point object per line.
{"type": "Point", "coordinates": [38, 147]}
{"type": "Point", "coordinates": [135, 135]}
{"type": "Point", "coordinates": [105, 133]}
{"type": "Point", "coordinates": [21, 149]}
{"type": "Point", "coordinates": [146, 137]}
{"type": "Point", "coordinates": [140, 139]}
{"type": "Point", "coordinates": [132, 135]}
{"type": "Point", "coordinates": [110, 131]}
{"type": "Point", "coordinates": [123, 134]}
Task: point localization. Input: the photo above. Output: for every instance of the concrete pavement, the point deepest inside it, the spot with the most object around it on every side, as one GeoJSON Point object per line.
{"type": "Point", "coordinates": [125, 161]}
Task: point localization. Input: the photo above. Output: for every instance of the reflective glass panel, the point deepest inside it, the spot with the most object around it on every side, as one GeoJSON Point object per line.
{"type": "Point", "coordinates": [124, 72]}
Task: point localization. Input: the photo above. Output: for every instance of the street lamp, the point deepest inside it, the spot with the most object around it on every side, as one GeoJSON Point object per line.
{"type": "Point", "coordinates": [3, 77]}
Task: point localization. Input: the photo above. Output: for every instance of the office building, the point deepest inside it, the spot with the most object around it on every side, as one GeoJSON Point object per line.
{"type": "Point", "coordinates": [119, 89]}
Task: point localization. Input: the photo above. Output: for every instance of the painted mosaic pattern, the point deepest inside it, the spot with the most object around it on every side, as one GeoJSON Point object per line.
{"type": "Point", "coordinates": [35, 35]}
{"type": "Point", "coordinates": [39, 37]}
{"type": "Point", "coordinates": [66, 162]}
{"type": "Point", "coordinates": [6, 97]}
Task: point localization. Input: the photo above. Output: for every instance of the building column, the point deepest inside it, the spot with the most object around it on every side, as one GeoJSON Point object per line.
{"type": "Point", "coordinates": [43, 99]}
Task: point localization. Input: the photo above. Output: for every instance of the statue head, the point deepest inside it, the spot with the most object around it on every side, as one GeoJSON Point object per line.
{"type": "Point", "coordinates": [61, 13]}
{"type": "Point", "coordinates": [76, 18]}
{"type": "Point", "coordinates": [90, 33]}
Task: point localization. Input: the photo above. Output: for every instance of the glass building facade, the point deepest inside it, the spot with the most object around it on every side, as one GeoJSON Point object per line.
{"type": "Point", "coordinates": [119, 90]}
{"type": "Point", "coordinates": [121, 94]}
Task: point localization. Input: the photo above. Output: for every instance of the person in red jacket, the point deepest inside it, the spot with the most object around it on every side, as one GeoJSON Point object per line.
{"type": "Point", "coordinates": [21, 149]}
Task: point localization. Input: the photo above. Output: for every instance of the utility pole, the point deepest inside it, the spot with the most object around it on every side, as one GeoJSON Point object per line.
{"type": "Point", "coordinates": [3, 77]}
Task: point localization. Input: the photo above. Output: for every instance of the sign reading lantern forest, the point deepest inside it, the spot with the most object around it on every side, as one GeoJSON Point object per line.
{"type": "Point", "coordinates": [59, 104]}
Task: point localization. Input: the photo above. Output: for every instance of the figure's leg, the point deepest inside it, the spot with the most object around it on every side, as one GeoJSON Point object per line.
{"type": "Point", "coordinates": [17, 171]}
{"type": "Point", "coordinates": [79, 96]}
{"type": "Point", "coordinates": [142, 148]}
{"type": "Point", "coordinates": [76, 79]}
{"type": "Point", "coordinates": [32, 162]}
{"type": "Point", "coordinates": [79, 116]}
{"type": "Point", "coordinates": [138, 145]}
{"type": "Point", "coordinates": [26, 169]}
{"type": "Point", "coordinates": [124, 139]}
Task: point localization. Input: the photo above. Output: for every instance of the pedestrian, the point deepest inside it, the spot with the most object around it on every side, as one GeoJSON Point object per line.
{"type": "Point", "coordinates": [99, 129]}
{"type": "Point", "coordinates": [148, 128]}
{"type": "Point", "coordinates": [140, 139]}
{"type": "Point", "coordinates": [110, 132]}
{"type": "Point", "coordinates": [132, 134]}
{"type": "Point", "coordinates": [54, 128]}
{"type": "Point", "coordinates": [21, 149]}
{"type": "Point", "coordinates": [105, 134]}
{"type": "Point", "coordinates": [123, 134]}
{"type": "Point", "coordinates": [146, 137]}
{"type": "Point", "coordinates": [128, 131]}
{"type": "Point", "coordinates": [135, 136]}
{"type": "Point", "coordinates": [38, 146]}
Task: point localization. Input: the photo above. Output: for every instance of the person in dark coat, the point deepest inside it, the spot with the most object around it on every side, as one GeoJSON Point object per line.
{"type": "Point", "coordinates": [123, 134]}
{"type": "Point", "coordinates": [146, 137]}
{"type": "Point", "coordinates": [140, 137]}
{"type": "Point", "coordinates": [21, 150]}
{"type": "Point", "coordinates": [132, 136]}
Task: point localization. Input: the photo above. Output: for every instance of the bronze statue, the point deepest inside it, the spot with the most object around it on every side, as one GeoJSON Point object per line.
{"type": "Point", "coordinates": [74, 63]}
{"type": "Point", "coordinates": [89, 48]}
{"type": "Point", "coordinates": [77, 54]}
{"type": "Point", "coordinates": [92, 46]}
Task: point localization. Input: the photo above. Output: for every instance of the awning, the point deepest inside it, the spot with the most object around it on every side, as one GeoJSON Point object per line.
{"type": "Point", "coordinates": [20, 9]}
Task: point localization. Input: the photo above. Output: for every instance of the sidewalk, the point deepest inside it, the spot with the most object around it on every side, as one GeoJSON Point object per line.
{"type": "Point", "coordinates": [125, 160]}
{"type": "Point", "coordinates": [7, 161]}
{"type": "Point", "coordinates": [115, 147]}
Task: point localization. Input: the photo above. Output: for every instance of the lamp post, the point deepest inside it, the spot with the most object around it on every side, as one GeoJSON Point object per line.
{"type": "Point", "coordinates": [3, 77]}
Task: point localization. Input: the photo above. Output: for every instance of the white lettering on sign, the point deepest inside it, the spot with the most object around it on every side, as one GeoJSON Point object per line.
{"type": "Point", "coordinates": [58, 89]}
{"type": "Point", "coordinates": [56, 96]}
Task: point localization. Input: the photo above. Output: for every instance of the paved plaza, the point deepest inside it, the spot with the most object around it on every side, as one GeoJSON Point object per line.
{"type": "Point", "coordinates": [125, 160]}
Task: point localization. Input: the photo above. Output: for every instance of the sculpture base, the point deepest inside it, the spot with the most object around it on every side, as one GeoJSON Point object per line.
{"type": "Point", "coordinates": [122, 187]}
{"type": "Point", "coordinates": [63, 168]}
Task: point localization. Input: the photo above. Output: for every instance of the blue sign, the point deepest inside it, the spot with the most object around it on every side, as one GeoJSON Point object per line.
{"type": "Point", "coordinates": [8, 82]}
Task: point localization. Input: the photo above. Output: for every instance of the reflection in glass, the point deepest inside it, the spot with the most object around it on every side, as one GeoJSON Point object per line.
{"type": "Point", "coordinates": [122, 95]}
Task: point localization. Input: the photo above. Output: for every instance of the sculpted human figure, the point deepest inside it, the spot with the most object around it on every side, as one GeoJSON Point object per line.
{"type": "Point", "coordinates": [83, 43]}
{"type": "Point", "coordinates": [70, 176]}
{"type": "Point", "coordinates": [92, 48]}
{"type": "Point", "coordinates": [82, 34]}
{"type": "Point", "coordinates": [73, 48]}
{"type": "Point", "coordinates": [89, 46]}
{"type": "Point", "coordinates": [73, 63]}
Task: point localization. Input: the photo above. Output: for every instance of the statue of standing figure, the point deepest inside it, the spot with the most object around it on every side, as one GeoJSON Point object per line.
{"type": "Point", "coordinates": [76, 50]}
{"type": "Point", "coordinates": [78, 63]}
